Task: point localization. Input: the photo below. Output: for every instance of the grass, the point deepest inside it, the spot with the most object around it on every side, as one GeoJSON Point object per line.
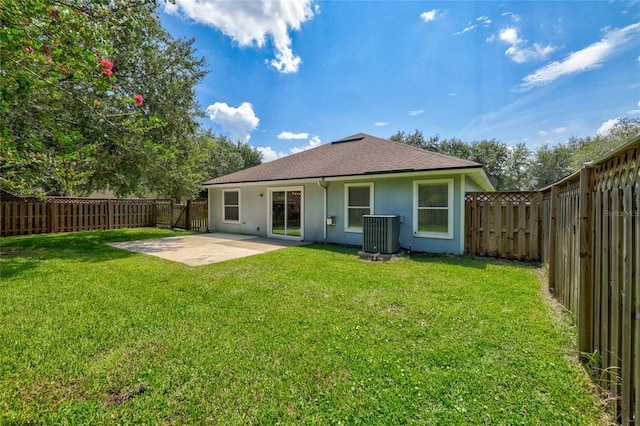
{"type": "Point", "coordinates": [304, 335]}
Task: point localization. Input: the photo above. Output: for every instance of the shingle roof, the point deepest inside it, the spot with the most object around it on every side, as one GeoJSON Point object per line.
{"type": "Point", "coordinates": [360, 154]}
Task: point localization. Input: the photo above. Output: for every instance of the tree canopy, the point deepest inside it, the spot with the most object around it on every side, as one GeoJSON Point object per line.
{"type": "Point", "coordinates": [518, 167]}
{"type": "Point", "coordinates": [97, 95]}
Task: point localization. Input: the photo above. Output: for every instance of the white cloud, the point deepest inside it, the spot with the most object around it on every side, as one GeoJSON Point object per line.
{"type": "Point", "coordinates": [514, 17]}
{"type": "Point", "coordinates": [269, 154]}
{"type": "Point", "coordinates": [467, 29]}
{"type": "Point", "coordinates": [556, 131]}
{"type": "Point", "coordinates": [380, 123]}
{"type": "Point", "coordinates": [580, 61]}
{"type": "Point", "coordinates": [313, 143]}
{"type": "Point", "coordinates": [253, 23]}
{"type": "Point", "coordinates": [238, 122]}
{"type": "Point", "coordinates": [510, 35]}
{"type": "Point", "coordinates": [529, 54]}
{"type": "Point", "coordinates": [429, 16]}
{"type": "Point", "coordinates": [606, 127]}
{"type": "Point", "coordinates": [290, 135]}
{"type": "Point", "coordinates": [416, 112]}
{"type": "Point", "coordinates": [520, 54]}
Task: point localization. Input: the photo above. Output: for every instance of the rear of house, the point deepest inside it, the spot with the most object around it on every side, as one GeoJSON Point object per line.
{"type": "Point", "coordinates": [322, 194]}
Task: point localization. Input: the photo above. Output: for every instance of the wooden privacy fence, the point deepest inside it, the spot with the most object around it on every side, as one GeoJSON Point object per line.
{"type": "Point", "coordinates": [26, 216]}
{"type": "Point", "coordinates": [587, 229]}
{"type": "Point", "coordinates": [193, 215]}
{"type": "Point", "coordinates": [504, 224]}
{"type": "Point", "coordinates": [592, 247]}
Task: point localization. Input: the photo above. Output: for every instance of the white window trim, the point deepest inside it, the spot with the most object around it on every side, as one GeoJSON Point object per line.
{"type": "Point", "coordinates": [270, 190]}
{"type": "Point", "coordinates": [441, 235]}
{"type": "Point", "coordinates": [354, 229]}
{"type": "Point", "coordinates": [224, 220]}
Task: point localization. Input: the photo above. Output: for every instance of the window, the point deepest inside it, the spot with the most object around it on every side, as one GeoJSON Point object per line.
{"type": "Point", "coordinates": [231, 206]}
{"type": "Point", "coordinates": [433, 209]}
{"type": "Point", "coordinates": [358, 201]}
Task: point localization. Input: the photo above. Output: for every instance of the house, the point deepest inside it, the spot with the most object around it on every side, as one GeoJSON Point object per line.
{"type": "Point", "coordinates": [322, 194]}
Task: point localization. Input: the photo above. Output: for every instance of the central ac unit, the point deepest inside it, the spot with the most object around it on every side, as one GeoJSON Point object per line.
{"type": "Point", "coordinates": [381, 233]}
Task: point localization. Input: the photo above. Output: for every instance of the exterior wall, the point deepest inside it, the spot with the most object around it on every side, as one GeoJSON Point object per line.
{"type": "Point", "coordinates": [391, 196]}
{"type": "Point", "coordinates": [254, 210]}
{"type": "Point", "coordinates": [471, 186]}
{"type": "Point", "coordinates": [395, 196]}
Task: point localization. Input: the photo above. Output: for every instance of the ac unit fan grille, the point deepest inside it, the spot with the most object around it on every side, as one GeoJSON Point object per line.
{"type": "Point", "coordinates": [381, 234]}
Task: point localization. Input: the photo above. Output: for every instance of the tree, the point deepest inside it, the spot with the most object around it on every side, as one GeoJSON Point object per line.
{"type": "Point", "coordinates": [416, 139]}
{"type": "Point", "coordinates": [592, 148]}
{"type": "Point", "coordinates": [166, 158]}
{"type": "Point", "coordinates": [490, 153]}
{"type": "Point", "coordinates": [250, 156]}
{"type": "Point", "coordinates": [224, 157]}
{"type": "Point", "coordinates": [551, 165]}
{"type": "Point", "coordinates": [516, 171]}
{"type": "Point", "coordinates": [93, 95]}
{"type": "Point", "coordinates": [455, 147]}
{"type": "Point", "coordinates": [54, 61]}
{"type": "Point", "coordinates": [493, 155]}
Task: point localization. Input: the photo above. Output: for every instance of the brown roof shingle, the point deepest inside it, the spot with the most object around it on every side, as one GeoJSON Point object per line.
{"type": "Point", "coordinates": [355, 155]}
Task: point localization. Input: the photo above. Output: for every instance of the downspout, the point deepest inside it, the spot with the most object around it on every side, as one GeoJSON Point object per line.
{"type": "Point", "coordinates": [463, 232]}
{"type": "Point", "coordinates": [323, 185]}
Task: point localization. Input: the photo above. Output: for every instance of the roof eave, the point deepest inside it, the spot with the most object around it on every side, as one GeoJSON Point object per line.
{"type": "Point", "coordinates": [359, 176]}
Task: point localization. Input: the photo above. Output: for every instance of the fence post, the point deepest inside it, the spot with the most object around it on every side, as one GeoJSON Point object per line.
{"type": "Point", "coordinates": [553, 210]}
{"type": "Point", "coordinates": [540, 226]}
{"type": "Point", "coordinates": [585, 298]}
{"type": "Point", "coordinates": [188, 216]}
{"type": "Point", "coordinates": [53, 217]}
{"type": "Point", "coordinates": [110, 214]}
{"type": "Point", "coordinates": [171, 214]}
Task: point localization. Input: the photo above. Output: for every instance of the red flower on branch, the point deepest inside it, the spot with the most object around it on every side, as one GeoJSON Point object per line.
{"type": "Point", "coordinates": [106, 67]}
{"type": "Point", "coordinates": [139, 99]}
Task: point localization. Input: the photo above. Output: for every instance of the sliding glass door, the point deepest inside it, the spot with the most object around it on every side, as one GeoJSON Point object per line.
{"type": "Point", "coordinates": [285, 215]}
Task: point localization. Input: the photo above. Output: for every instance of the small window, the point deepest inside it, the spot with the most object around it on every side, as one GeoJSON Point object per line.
{"type": "Point", "coordinates": [358, 202]}
{"type": "Point", "coordinates": [231, 206]}
{"type": "Point", "coordinates": [433, 208]}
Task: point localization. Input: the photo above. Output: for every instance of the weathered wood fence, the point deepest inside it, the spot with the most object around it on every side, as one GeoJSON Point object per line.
{"type": "Point", "coordinates": [504, 224]}
{"type": "Point", "coordinates": [26, 216]}
{"type": "Point", "coordinates": [587, 229]}
{"type": "Point", "coordinates": [194, 215]}
{"type": "Point", "coordinates": [592, 247]}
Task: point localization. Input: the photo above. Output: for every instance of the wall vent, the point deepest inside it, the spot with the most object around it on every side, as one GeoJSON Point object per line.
{"type": "Point", "coordinates": [381, 233]}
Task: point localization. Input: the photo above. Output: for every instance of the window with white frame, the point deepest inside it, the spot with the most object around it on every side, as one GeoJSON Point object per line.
{"type": "Point", "coordinates": [433, 208]}
{"type": "Point", "coordinates": [231, 205]}
{"type": "Point", "coordinates": [358, 201]}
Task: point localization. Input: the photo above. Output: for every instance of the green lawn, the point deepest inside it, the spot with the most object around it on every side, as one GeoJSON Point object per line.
{"type": "Point", "coordinates": [306, 335]}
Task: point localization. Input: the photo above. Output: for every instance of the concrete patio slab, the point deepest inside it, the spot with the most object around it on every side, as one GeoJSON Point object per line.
{"type": "Point", "coordinates": [203, 249]}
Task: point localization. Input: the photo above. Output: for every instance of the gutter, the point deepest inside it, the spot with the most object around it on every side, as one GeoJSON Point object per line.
{"type": "Point", "coordinates": [323, 185]}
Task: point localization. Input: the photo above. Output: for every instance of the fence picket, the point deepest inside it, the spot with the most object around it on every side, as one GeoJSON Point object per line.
{"type": "Point", "coordinates": [20, 216]}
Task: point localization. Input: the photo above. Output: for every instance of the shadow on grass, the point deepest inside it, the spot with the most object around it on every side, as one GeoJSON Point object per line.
{"type": "Point", "coordinates": [426, 258]}
{"type": "Point", "coordinates": [23, 253]}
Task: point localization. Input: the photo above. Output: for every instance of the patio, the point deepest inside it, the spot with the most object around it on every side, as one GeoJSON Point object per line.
{"type": "Point", "coordinates": [204, 249]}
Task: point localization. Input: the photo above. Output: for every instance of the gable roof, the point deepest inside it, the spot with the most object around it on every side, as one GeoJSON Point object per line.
{"type": "Point", "coordinates": [356, 155]}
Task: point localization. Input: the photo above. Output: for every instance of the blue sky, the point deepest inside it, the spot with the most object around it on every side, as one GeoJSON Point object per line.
{"type": "Point", "coordinates": [291, 74]}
